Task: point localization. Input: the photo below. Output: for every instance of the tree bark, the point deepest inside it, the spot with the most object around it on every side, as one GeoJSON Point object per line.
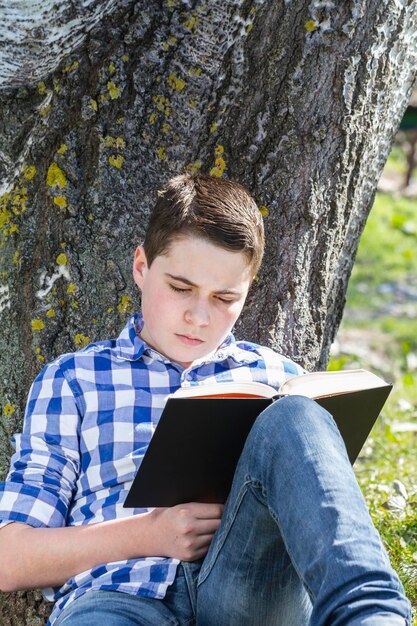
{"type": "Point", "coordinates": [297, 99]}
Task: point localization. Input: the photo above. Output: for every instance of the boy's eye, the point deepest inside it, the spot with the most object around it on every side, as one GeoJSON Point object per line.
{"type": "Point", "coordinates": [178, 289]}
{"type": "Point", "coordinates": [225, 301]}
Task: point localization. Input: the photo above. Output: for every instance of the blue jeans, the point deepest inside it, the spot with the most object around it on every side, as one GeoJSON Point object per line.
{"type": "Point", "coordinates": [296, 545]}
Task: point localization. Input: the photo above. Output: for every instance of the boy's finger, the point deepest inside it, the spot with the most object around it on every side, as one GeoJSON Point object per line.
{"type": "Point", "coordinates": [203, 542]}
{"type": "Point", "coordinates": [206, 526]}
{"type": "Point", "coordinates": [203, 510]}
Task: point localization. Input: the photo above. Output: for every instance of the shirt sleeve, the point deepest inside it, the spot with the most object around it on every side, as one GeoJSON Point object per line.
{"type": "Point", "coordinates": [41, 482]}
{"type": "Point", "coordinates": [279, 368]}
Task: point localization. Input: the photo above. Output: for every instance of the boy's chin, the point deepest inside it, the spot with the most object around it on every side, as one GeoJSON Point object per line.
{"type": "Point", "coordinates": [185, 360]}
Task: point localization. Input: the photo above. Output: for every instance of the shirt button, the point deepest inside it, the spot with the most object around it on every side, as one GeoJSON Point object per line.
{"type": "Point", "coordinates": [220, 354]}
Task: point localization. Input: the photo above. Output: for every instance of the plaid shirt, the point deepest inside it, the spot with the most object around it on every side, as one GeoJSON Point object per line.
{"type": "Point", "coordinates": [89, 418]}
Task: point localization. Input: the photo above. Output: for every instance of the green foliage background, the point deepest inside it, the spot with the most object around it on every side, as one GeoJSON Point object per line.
{"type": "Point", "coordinates": [381, 311]}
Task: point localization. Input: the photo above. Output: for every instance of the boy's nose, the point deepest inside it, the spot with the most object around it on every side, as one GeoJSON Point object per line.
{"type": "Point", "coordinates": [197, 314]}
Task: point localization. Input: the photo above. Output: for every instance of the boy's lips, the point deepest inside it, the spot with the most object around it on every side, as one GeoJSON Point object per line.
{"type": "Point", "coordinates": [190, 341]}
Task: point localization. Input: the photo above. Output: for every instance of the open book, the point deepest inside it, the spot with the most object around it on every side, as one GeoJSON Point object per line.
{"type": "Point", "coordinates": [194, 451]}
{"type": "Point", "coordinates": [313, 385]}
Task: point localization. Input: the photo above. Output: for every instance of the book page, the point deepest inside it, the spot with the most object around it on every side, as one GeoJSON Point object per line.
{"type": "Point", "coordinates": [232, 389]}
{"type": "Point", "coordinates": [320, 384]}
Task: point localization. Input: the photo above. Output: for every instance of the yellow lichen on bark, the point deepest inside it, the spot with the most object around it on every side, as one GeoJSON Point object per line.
{"type": "Point", "coordinates": [55, 176]}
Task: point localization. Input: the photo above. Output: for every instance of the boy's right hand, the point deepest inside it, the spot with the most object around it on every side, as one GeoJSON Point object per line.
{"type": "Point", "coordinates": [185, 531]}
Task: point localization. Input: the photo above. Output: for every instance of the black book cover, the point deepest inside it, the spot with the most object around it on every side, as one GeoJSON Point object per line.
{"type": "Point", "coordinates": [194, 451]}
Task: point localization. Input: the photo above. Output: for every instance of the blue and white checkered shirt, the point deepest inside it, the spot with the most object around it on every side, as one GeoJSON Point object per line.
{"type": "Point", "coordinates": [89, 419]}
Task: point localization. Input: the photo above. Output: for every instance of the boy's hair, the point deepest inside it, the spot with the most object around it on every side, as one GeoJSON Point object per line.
{"type": "Point", "coordinates": [209, 207]}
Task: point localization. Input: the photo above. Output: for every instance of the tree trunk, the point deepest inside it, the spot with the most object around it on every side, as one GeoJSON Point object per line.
{"type": "Point", "coordinates": [299, 100]}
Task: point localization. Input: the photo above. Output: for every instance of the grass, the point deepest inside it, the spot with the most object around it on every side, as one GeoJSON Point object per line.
{"type": "Point", "coordinates": [385, 268]}
{"type": "Point", "coordinates": [397, 159]}
{"type": "Point", "coordinates": [382, 302]}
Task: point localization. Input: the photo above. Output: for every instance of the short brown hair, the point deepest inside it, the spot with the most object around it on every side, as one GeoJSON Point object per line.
{"type": "Point", "coordinates": [205, 206]}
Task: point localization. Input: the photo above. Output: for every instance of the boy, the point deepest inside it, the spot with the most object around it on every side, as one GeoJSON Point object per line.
{"type": "Point", "coordinates": [294, 544]}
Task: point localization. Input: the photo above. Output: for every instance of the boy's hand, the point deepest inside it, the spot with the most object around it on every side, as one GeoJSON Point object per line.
{"type": "Point", "coordinates": [186, 530]}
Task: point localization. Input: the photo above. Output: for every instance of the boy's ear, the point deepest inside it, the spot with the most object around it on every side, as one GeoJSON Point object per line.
{"type": "Point", "coordinates": [140, 266]}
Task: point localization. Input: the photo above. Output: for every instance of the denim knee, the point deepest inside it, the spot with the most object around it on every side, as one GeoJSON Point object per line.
{"type": "Point", "coordinates": [293, 414]}
{"type": "Point", "coordinates": [298, 425]}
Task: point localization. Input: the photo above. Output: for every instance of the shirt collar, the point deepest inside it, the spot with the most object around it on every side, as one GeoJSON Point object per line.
{"type": "Point", "coordinates": [131, 347]}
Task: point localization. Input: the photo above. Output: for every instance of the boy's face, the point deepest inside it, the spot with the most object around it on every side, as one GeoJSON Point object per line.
{"type": "Point", "coordinates": [191, 297]}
